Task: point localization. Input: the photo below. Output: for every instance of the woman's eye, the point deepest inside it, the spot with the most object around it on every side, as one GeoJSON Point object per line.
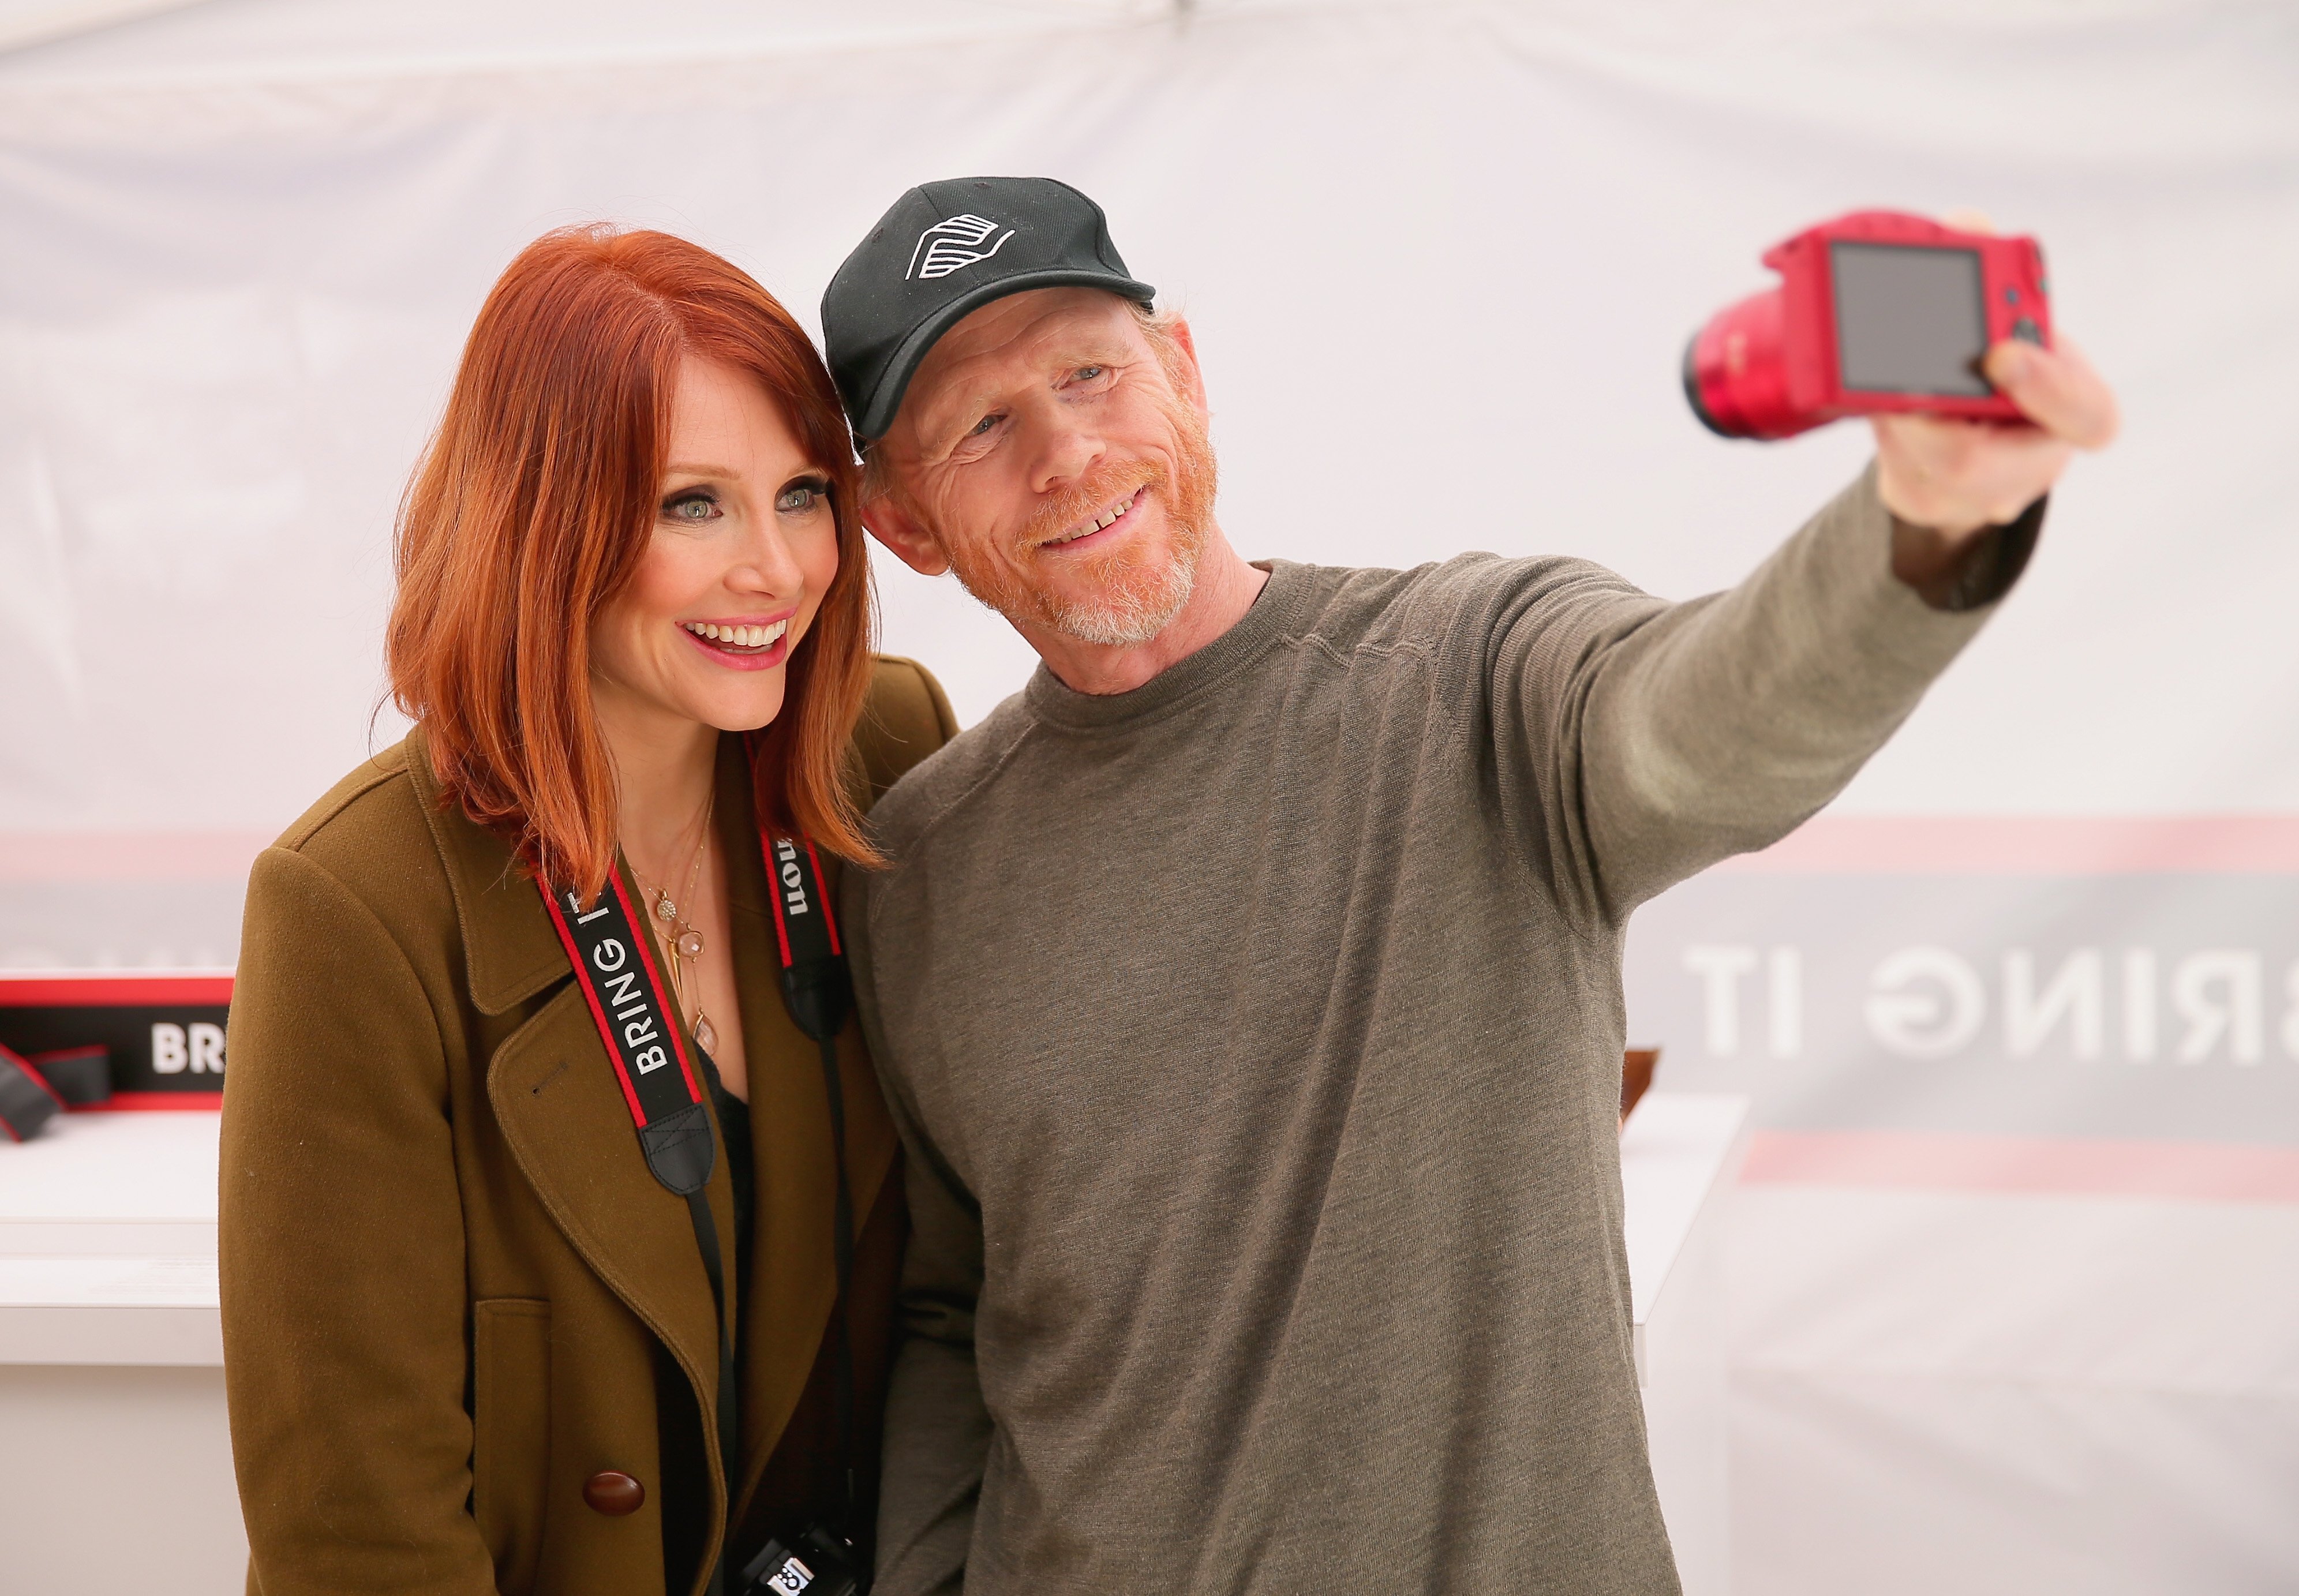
{"type": "Point", "coordinates": [800, 496]}
{"type": "Point", "coordinates": [1088, 373]}
{"type": "Point", "coordinates": [984, 426]}
{"type": "Point", "coordinates": [692, 507]}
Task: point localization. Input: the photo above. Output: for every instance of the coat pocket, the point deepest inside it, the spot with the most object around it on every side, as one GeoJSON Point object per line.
{"type": "Point", "coordinates": [511, 1433]}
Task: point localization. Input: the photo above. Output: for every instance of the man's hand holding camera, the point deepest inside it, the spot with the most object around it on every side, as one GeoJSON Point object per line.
{"type": "Point", "coordinates": [1947, 479]}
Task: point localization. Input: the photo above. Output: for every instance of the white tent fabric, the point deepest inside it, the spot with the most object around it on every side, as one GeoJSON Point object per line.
{"type": "Point", "coordinates": [1442, 259]}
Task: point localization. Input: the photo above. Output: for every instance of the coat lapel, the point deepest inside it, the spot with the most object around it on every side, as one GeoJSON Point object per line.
{"type": "Point", "coordinates": [560, 1108]}
{"type": "Point", "coordinates": [794, 1272]}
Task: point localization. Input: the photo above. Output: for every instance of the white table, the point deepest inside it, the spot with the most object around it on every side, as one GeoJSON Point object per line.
{"type": "Point", "coordinates": [111, 1347]}
{"type": "Point", "coordinates": [112, 1412]}
{"type": "Point", "coordinates": [1681, 1156]}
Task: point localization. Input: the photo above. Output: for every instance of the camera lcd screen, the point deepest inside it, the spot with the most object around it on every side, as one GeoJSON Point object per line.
{"type": "Point", "coordinates": [1909, 319]}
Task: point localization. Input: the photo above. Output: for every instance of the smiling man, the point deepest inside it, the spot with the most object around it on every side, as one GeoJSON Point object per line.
{"type": "Point", "coordinates": [1248, 988]}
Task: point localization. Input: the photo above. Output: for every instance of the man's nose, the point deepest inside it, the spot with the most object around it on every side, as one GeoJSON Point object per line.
{"type": "Point", "coordinates": [1066, 451]}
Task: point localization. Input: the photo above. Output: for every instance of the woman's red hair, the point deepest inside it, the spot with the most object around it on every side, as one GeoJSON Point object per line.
{"type": "Point", "coordinates": [532, 507]}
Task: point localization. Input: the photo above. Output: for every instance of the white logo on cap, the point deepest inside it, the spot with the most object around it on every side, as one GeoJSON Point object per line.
{"type": "Point", "coordinates": [955, 244]}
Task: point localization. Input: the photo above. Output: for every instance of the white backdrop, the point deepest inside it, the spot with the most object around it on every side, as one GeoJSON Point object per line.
{"type": "Point", "coordinates": [1441, 261]}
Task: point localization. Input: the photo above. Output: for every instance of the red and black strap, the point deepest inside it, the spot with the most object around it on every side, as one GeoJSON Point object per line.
{"type": "Point", "coordinates": [81, 1076]}
{"type": "Point", "coordinates": [615, 961]}
{"type": "Point", "coordinates": [614, 965]}
{"type": "Point", "coordinates": [27, 1101]}
{"type": "Point", "coordinates": [818, 992]}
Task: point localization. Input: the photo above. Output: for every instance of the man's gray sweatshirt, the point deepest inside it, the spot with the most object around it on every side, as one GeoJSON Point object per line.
{"type": "Point", "coordinates": [1256, 1039]}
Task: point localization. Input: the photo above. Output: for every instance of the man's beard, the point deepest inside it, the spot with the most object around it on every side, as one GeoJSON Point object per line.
{"type": "Point", "coordinates": [1134, 593]}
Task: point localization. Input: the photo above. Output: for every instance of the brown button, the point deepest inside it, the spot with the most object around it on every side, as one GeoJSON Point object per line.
{"type": "Point", "coordinates": [613, 1494]}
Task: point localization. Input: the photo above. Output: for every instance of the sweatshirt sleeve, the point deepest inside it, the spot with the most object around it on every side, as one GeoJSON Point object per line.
{"type": "Point", "coordinates": [938, 1428]}
{"type": "Point", "coordinates": [1638, 742]}
{"type": "Point", "coordinates": [342, 1254]}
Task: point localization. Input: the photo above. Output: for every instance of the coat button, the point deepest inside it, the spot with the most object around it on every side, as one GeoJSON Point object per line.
{"type": "Point", "coordinates": [613, 1494]}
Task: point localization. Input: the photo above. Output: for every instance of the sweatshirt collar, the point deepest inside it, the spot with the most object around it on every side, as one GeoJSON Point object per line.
{"type": "Point", "coordinates": [1273, 617]}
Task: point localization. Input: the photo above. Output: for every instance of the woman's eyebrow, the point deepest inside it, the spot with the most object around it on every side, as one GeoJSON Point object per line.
{"type": "Point", "coordinates": [698, 470]}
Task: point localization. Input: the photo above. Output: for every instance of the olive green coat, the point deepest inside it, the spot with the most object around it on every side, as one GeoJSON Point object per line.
{"type": "Point", "coordinates": [453, 1293]}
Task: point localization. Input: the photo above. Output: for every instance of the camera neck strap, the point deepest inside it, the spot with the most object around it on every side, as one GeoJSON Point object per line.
{"type": "Point", "coordinates": [614, 964]}
{"type": "Point", "coordinates": [817, 991]}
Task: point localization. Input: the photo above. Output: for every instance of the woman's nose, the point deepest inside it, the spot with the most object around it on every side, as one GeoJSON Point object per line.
{"type": "Point", "coordinates": [772, 565]}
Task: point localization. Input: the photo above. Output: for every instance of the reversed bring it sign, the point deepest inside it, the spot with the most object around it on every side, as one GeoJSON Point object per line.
{"type": "Point", "coordinates": [2132, 1005]}
{"type": "Point", "coordinates": [1933, 1003]}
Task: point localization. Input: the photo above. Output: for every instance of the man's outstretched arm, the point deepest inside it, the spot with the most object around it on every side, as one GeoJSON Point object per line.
{"type": "Point", "coordinates": [1662, 737]}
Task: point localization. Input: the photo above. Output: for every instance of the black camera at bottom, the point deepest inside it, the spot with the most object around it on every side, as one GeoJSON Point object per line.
{"type": "Point", "coordinates": [817, 1562]}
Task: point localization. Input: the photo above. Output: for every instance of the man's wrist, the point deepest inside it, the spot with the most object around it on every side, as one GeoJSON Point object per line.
{"type": "Point", "coordinates": [1955, 572]}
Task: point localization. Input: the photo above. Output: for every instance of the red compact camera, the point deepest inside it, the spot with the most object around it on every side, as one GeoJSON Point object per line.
{"type": "Point", "coordinates": [1876, 311]}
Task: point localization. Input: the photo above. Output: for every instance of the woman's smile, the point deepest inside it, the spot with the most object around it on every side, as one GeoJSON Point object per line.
{"type": "Point", "coordinates": [744, 642]}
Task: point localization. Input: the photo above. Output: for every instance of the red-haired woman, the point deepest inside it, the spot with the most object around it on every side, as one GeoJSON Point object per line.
{"type": "Point", "coordinates": [535, 1208]}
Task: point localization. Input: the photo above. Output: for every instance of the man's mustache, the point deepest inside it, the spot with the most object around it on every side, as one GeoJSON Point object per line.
{"type": "Point", "coordinates": [1104, 486]}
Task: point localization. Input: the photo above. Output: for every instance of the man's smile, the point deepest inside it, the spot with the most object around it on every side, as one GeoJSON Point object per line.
{"type": "Point", "coordinates": [1107, 520]}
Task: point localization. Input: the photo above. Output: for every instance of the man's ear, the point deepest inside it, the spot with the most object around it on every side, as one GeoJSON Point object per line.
{"type": "Point", "coordinates": [1194, 384]}
{"type": "Point", "coordinates": [885, 519]}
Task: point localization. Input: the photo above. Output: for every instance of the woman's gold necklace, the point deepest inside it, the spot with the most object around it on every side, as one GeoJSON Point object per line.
{"type": "Point", "coordinates": [684, 938]}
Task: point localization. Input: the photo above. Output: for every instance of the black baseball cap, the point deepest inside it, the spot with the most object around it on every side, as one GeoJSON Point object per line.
{"type": "Point", "coordinates": [946, 250]}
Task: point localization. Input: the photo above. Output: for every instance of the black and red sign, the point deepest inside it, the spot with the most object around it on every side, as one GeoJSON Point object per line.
{"type": "Point", "coordinates": [162, 1035]}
